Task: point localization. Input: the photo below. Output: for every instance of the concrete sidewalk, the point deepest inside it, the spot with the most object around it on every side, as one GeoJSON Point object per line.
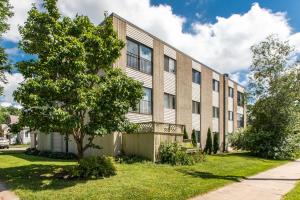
{"type": "Point", "coordinates": [5, 194]}
{"type": "Point", "coordinates": [269, 185]}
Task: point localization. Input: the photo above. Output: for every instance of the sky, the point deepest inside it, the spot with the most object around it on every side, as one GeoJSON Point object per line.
{"type": "Point", "coordinates": [218, 33]}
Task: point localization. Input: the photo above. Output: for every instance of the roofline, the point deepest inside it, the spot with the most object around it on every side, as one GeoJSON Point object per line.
{"type": "Point", "coordinates": [160, 40]}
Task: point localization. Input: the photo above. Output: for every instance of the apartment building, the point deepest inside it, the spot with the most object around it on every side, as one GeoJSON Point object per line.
{"type": "Point", "coordinates": [178, 88]}
{"type": "Point", "coordinates": [179, 92]}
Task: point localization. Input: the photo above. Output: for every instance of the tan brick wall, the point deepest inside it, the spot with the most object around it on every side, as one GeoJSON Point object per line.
{"type": "Point", "coordinates": [206, 102]}
{"type": "Point", "coordinates": [184, 91]}
{"type": "Point", "coordinates": [158, 81]}
{"type": "Point", "coordinates": [235, 107]}
{"type": "Point", "coordinates": [222, 110]}
{"type": "Point", "coordinates": [225, 111]}
{"type": "Point", "coordinates": [120, 28]}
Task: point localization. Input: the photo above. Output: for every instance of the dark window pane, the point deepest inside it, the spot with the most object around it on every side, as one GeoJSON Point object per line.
{"type": "Point", "coordinates": [166, 64]}
{"type": "Point", "coordinates": [196, 76]}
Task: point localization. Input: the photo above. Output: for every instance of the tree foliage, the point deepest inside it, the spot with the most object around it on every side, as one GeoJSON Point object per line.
{"type": "Point", "coordinates": [208, 146]}
{"type": "Point", "coordinates": [216, 143]}
{"type": "Point", "coordinates": [275, 89]}
{"type": "Point", "coordinates": [72, 87]}
{"type": "Point", "coordinates": [5, 13]}
{"type": "Point", "coordinates": [6, 111]}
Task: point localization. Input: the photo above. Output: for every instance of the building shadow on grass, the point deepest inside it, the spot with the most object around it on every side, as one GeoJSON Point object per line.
{"type": "Point", "coordinates": [208, 175]}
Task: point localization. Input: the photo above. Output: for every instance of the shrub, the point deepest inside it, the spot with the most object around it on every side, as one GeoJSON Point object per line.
{"type": "Point", "coordinates": [173, 154]}
{"type": "Point", "coordinates": [208, 145]}
{"type": "Point", "coordinates": [194, 141]}
{"type": "Point", "coordinates": [185, 135]}
{"type": "Point", "coordinates": [216, 143]}
{"type": "Point", "coordinates": [129, 159]}
{"type": "Point", "coordinates": [49, 154]}
{"type": "Point", "coordinates": [94, 167]}
{"type": "Point", "coordinates": [261, 143]}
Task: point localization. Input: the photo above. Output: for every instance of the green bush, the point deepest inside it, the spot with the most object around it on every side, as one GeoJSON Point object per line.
{"type": "Point", "coordinates": [194, 141]}
{"type": "Point", "coordinates": [216, 143]}
{"type": "Point", "coordinates": [49, 154]}
{"type": "Point", "coordinates": [173, 154]}
{"type": "Point", "coordinates": [95, 167]}
{"type": "Point", "coordinates": [208, 145]}
{"type": "Point", "coordinates": [185, 135]}
{"type": "Point", "coordinates": [261, 143]}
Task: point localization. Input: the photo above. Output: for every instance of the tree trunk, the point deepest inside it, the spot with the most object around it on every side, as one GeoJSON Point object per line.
{"type": "Point", "coordinates": [80, 150]}
{"type": "Point", "coordinates": [67, 142]}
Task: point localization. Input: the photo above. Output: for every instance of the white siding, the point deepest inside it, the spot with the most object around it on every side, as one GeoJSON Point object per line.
{"type": "Point", "coordinates": [196, 92]}
{"type": "Point", "coordinates": [168, 51]}
{"type": "Point", "coordinates": [215, 99]}
{"type": "Point", "coordinates": [169, 83]}
{"type": "Point", "coordinates": [196, 122]}
{"type": "Point", "coordinates": [215, 125]}
{"type": "Point", "coordinates": [139, 35]}
{"type": "Point", "coordinates": [146, 79]}
{"type": "Point", "coordinates": [230, 104]}
{"type": "Point", "coordinates": [138, 118]}
{"type": "Point", "coordinates": [230, 126]}
{"type": "Point", "coordinates": [230, 84]}
{"type": "Point", "coordinates": [216, 76]}
{"type": "Point", "coordinates": [57, 142]}
{"type": "Point", "coordinates": [240, 110]}
{"type": "Point", "coordinates": [169, 116]}
{"type": "Point", "coordinates": [44, 141]}
{"type": "Point", "coordinates": [196, 66]}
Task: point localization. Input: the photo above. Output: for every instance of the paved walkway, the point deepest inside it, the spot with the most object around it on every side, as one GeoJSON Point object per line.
{"type": "Point", "coordinates": [269, 185]}
{"type": "Point", "coordinates": [6, 194]}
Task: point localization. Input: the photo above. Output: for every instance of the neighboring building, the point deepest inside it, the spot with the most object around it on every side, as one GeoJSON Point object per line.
{"type": "Point", "coordinates": [178, 90]}
{"type": "Point", "coordinates": [23, 137]}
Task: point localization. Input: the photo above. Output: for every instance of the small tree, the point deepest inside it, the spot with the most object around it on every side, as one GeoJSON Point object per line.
{"type": "Point", "coordinates": [63, 91]}
{"type": "Point", "coordinates": [216, 143]}
{"type": "Point", "coordinates": [194, 141]}
{"type": "Point", "coordinates": [208, 145]}
{"type": "Point", "coordinates": [185, 135]}
{"type": "Point", "coordinates": [5, 13]}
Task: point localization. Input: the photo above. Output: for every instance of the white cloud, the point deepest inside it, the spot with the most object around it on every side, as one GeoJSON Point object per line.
{"type": "Point", "coordinates": [10, 87]}
{"type": "Point", "coordinates": [20, 9]}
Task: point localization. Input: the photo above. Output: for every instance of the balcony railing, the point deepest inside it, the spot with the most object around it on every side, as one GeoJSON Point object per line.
{"type": "Point", "coordinates": [156, 127]}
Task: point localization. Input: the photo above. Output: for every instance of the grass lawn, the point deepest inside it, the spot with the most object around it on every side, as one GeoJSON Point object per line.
{"type": "Point", "coordinates": [30, 177]}
{"type": "Point", "coordinates": [19, 146]}
{"type": "Point", "coordinates": [294, 194]}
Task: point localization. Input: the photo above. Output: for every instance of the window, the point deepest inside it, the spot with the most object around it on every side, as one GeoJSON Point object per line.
{"type": "Point", "coordinates": [240, 99]}
{"type": "Point", "coordinates": [169, 101]}
{"type": "Point", "coordinates": [215, 112]}
{"type": "Point", "coordinates": [196, 107]}
{"type": "Point", "coordinates": [230, 92]}
{"type": "Point", "coordinates": [145, 105]}
{"type": "Point", "coordinates": [170, 65]}
{"type": "Point", "coordinates": [139, 57]}
{"type": "Point", "coordinates": [196, 77]}
{"type": "Point", "coordinates": [240, 120]}
{"type": "Point", "coordinates": [230, 115]}
{"type": "Point", "coordinates": [215, 85]}
{"type": "Point", "coordinates": [26, 135]}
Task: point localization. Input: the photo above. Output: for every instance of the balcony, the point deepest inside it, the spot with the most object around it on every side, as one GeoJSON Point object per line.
{"type": "Point", "coordinates": [157, 127]}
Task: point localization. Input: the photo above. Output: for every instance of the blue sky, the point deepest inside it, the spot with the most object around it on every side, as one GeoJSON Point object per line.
{"type": "Point", "coordinates": [218, 33]}
{"type": "Point", "coordinates": [207, 10]}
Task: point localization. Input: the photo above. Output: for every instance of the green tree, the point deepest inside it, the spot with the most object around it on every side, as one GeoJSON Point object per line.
{"type": "Point", "coordinates": [208, 146]}
{"type": "Point", "coordinates": [194, 141]}
{"type": "Point", "coordinates": [5, 13]}
{"type": "Point", "coordinates": [275, 89]}
{"type": "Point", "coordinates": [72, 87]}
{"type": "Point", "coordinates": [185, 135]}
{"type": "Point", "coordinates": [216, 143]}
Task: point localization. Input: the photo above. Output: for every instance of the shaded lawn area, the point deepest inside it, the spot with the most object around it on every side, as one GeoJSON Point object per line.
{"type": "Point", "coordinates": [30, 177]}
{"type": "Point", "coordinates": [294, 194]}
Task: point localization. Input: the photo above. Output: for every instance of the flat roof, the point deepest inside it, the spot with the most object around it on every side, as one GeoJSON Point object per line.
{"type": "Point", "coordinates": [153, 36]}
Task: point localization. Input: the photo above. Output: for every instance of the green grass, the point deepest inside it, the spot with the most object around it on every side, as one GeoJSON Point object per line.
{"type": "Point", "coordinates": [30, 177]}
{"type": "Point", "coordinates": [294, 194]}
